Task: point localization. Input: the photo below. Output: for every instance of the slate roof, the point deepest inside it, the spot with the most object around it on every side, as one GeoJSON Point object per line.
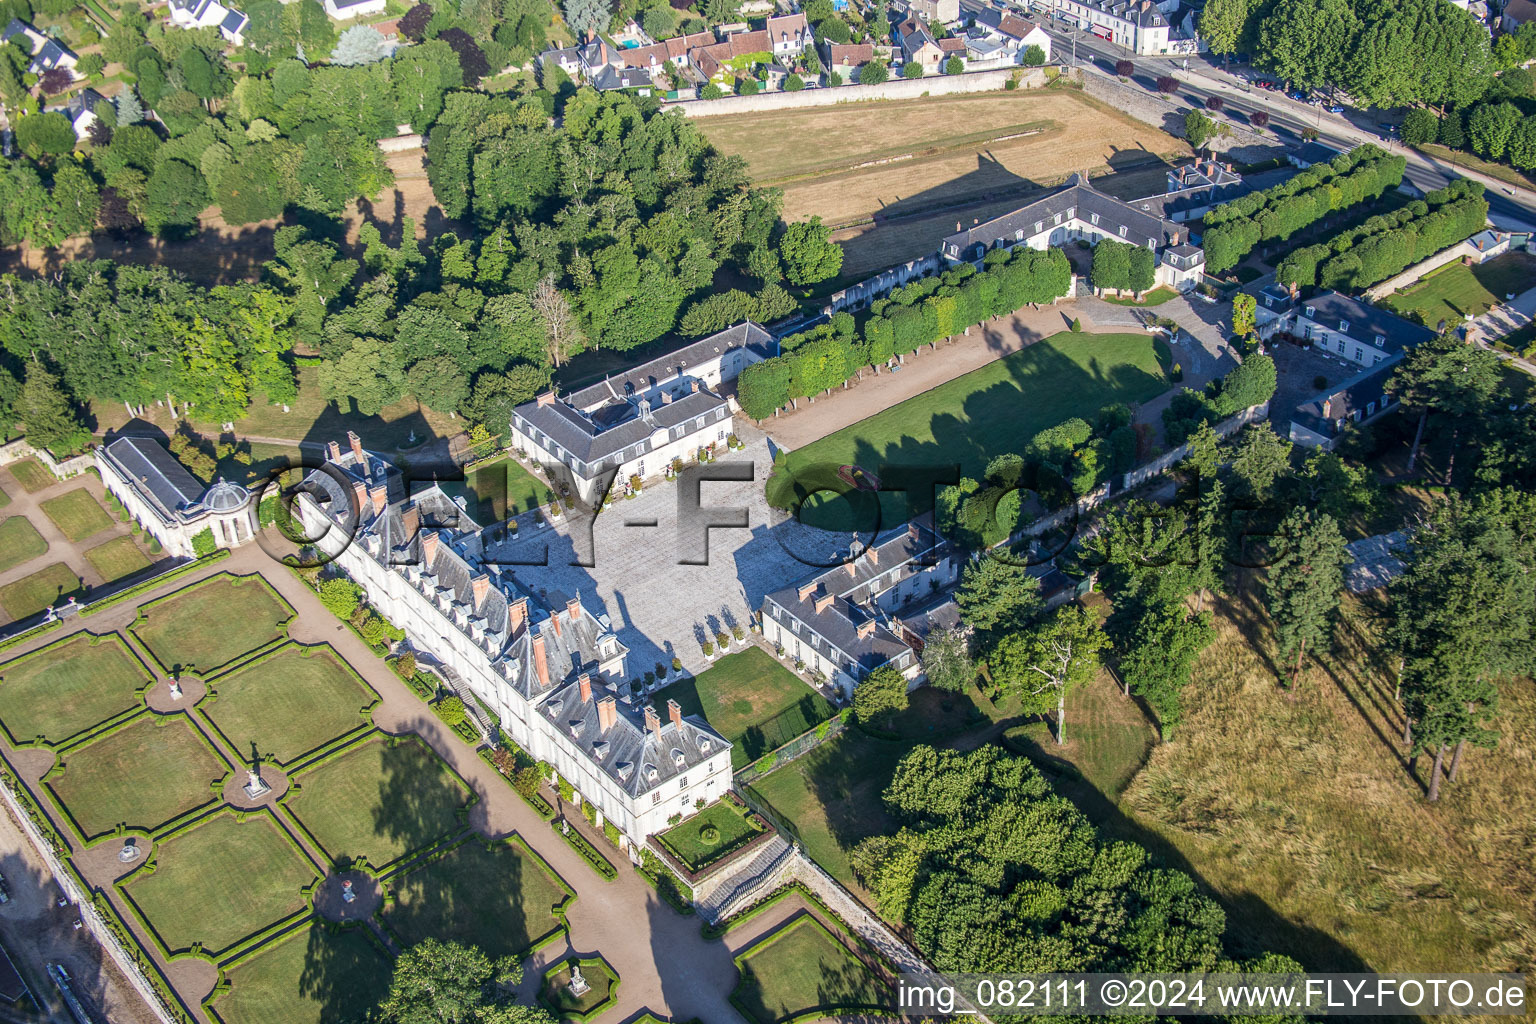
{"type": "Point", "coordinates": [609, 77]}
{"type": "Point", "coordinates": [82, 101]}
{"type": "Point", "coordinates": [156, 475]}
{"type": "Point", "coordinates": [636, 757]}
{"type": "Point", "coordinates": [1314, 153]}
{"type": "Point", "coordinates": [1076, 195]}
{"type": "Point", "coordinates": [14, 27]}
{"type": "Point", "coordinates": [852, 589]}
{"type": "Point", "coordinates": [233, 22]}
{"type": "Point", "coordinates": [605, 418]}
{"type": "Point", "coordinates": [1322, 413]}
{"type": "Point", "coordinates": [1328, 310]}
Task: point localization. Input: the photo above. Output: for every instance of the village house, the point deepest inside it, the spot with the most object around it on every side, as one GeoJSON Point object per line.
{"type": "Point", "coordinates": [918, 45]}
{"type": "Point", "coordinates": [1357, 332]}
{"type": "Point", "coordinates": [844, 622]}
{"type": "Point", "coordinates": [790, 34]}
{"type": "Point", "coordinates": [634, 424]}
{"type": "Point", "coordinates": [1078, 211]}
{"type": "Point", "coordinates": [343, 10]}
{"type": "Point", "coordinates": [1136, 25]}
{"type": "Point", "coordinates": [1194, 188]}
{"type": "Point", "coordinates": [936, 12]}
{"type": "Point", "coordinates": [170, 503]}
{"type": "Point", "coordinates": [81, 110]}
{"type": "Point", "coordinates": [997, 37]}
{"type": "Point", "coordinates": [676, 51]}
{"type": "Point", "coordinates": [191, 14]}
{"type": "Point", "coordinates": [566, 58]}
{"type": "Point", "coordinates": [47, 52]}
{"type": "Point", "coordinates": [845, 59]}
{"type": "Point", "coordinates": [553, 673]}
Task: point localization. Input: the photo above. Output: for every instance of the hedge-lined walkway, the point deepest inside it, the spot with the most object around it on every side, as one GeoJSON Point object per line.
{"type": "Point", "coordinates": [666, 965]}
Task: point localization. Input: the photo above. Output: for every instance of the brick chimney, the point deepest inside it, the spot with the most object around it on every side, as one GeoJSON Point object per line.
{"type": "Point", "coordinates": [585, 682]}
{"type": "Point", "coordinates": [823, 602]}
{"type": "Point", "coordinates": [380, 497]}
{"type": "Point", "coordinates": [429, 542]}
{"type": "Point", "coordinates": [806, 589]}
{"type": "Point", "coordinates": [540, 661]}
{"type": "Point", "coordinates": [410, 522]}
{"type": "Point", "coordinates": [547, 398]}
{"type": "Point", "coordinates": [573, 608]}
{"type": "Point", "coordinates": [675, 711]}
{"type": "Point", "coordinates": [607, 713]}
{"type": "Point", "coordinates": [866, 629]}
{"type": "Point", "coordinates": [480, 586]}
{"type": "Point", "coordinates": [517, 614]}
{"type": "Point", "coordinates": [653, 721]}
{"type": "Point", "coordinates": [874, 555]}
{"type": "Point", "coordinates": [912, 531]}
{"type": "Point", "coordinates": [555, 618]}
{"type": "Point", "coordinates": [332, 451]}
{"type": "Point", "coordinates": [360, 495]}
{"type": "Point", "coordinates": [853, 569]}
{"type": "Point", "coordinates": [357, 448]}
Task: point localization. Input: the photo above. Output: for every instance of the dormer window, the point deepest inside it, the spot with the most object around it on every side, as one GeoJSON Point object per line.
{"type": "Point", "coordinates": [554, 709]}
{"type": "Point", "coordinates": [625, 770]}
{"type": "Point", "coordinates": [704, 744]}
{"type": "Point", "coordinates": [599, 749]}
{"type": "Point", "coordinates": [1056, 219]}
{"type": "Point", "coordinates": [1039, 226]}
{"type": "Point", "coordinates": [1381, 342]}
{"type": "Point", "coordinates": [1093, 218]}
{"type": "Point", "coordinates": [574, 725]}
{"type": "Point", "coordinates": [1311, 311]}
{"type": "Point", "coordinates": [1343, 326]}
{"type": "Point", "coordinates": [651, 774]}
{"type": "Point", "coordinates": [678, 757]}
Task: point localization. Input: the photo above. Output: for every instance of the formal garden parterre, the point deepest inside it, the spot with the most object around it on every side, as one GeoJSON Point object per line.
{"type": "Point", "coordinates": [238, 886]}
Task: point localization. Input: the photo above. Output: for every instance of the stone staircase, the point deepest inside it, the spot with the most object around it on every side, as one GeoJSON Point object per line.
{"type": "Point", "coordinates": [461, 690]}
{"type": "Point", "coordinates": [753, 879]}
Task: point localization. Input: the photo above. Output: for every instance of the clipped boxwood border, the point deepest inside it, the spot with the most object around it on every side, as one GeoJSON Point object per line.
{"type": "Point", "coordinates": [224, 985]}
{"type": "Point", "coordinates": [28, 634]}
{"type": "Point", "coordinates": [540, 806]}
{"type": "Point", "coordinates": [305, 651]}
{"type": "Point", "coordinates": [111, 721]}
{"type": "Point", "coordinates": [558, 910]}
{"type": "Point", "coordinates": [296, 786]}
{"type": "Point", "coordinates": [723, 855]}
{"type": "Point", "coordinates": [246, 942]}
{"type": "Point", "coordinates": [60, 765]}
{"type": "Point", "coordinates": [158, 581]}
{"type": "Point", "coordinates": [585, 963]}
{"type": "Point", "coordinates": [813, 1013]}
{"type": "Point", "coordinates": [796, 887]}
{"type": "Point", "coordinates": [237, 580]}
{"type": "Point", "coordinates": [591, 854]}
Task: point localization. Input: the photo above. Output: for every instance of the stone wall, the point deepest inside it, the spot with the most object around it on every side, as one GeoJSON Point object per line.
{"type": "Point", "coordinates": [1161, 464]}
{"type": "Point", "coordinates": [883, 283]}
{"type": "Point", "coordinates": [1167, 113]}
{"type": "Point", "coordinates": [896, 89]}
{"type": "Point", "coordinates": [1461, 250]}
{"type": "Point", "coordinates": [15, 451]}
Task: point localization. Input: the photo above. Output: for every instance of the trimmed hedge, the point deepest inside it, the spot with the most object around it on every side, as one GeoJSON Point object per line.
{"type": "Point", "coordinates": [151, 584]}
{"type": "Point", "coordinates": [578, 842]}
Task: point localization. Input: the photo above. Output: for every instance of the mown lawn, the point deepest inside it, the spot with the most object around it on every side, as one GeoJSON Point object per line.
{"type": "Point", "coordinates": [499, 490]}
{"type": "Point", "coordinates": [32, 475]}
{"type": "Point", "coordinates": [222, 881]}
{"type": "Point", "coordinates": [751, 700]}
{"type": "Point", "coordinates": [687, 841]}
{"type": "Point", "coordinates": [379, 802]}
{"type": "Point", "coordinates": [990, 411]}
{"type": "Point", "coordinates": [315, 977]}
{"type": "Point", "coordinates": [117, 558]}
{"type": "Point", "coordinates": [1454, 291]}
{"type": "Point", "coordinates": [1108, 739]}
{"type": "Point", "coordinates": [19, 542]}
{"type": "Point", "coordinates": [77, 514]}
{"type": "Point", "coordinates": [492, 896]}
{"type": "Point", "coordinates": [802, 968]}
{"type": "Point", "coordinates": [212, 623]}
{"type": "Point", "coordinates": [65, 689]}
{"type": "Point", "coordinates": [142, 775]}
{"type": "Point", "coordinates": [5, 499]}
{"type": "Point", "coordinates": [31, 594]}
{"type": "Point", "coordinates": [289, 704]}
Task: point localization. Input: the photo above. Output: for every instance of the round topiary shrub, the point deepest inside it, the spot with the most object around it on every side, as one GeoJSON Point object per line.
{"type": "Point", "coordinates": [1319, 382]}
{"type": "Point", "coordinates": [709, 834]}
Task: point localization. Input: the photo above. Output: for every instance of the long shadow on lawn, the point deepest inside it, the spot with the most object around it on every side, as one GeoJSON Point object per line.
{"type": "Point", "coordinates": [411, 799]}
{"type": "Point", "coordinates": [336, 976]}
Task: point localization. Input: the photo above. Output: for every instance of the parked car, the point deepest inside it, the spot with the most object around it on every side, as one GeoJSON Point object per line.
{"type": "Point", "coordinates": [5, 890]}
{"type": "Point", "coordinates": [1335, 108]}
{"type": "Point", "coordinates": [1263, 83]}
{"type": "Point", "coordinates": [1298, 95]}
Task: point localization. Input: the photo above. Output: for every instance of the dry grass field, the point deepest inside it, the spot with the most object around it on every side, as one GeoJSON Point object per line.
{"type": "Point", "coordinates": [1308, 819]}
{"type": "Point", "coordinates": [874, 164]}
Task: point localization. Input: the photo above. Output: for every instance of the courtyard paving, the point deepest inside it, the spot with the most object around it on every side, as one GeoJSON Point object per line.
{"type": "Point", "coordinates": [664, 581]}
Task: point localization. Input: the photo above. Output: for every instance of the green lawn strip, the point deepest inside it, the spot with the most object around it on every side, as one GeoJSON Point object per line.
{"type": "Point", "coordinates": [220, 882]}
{"type": "Point", "coordinates": [69, 687]}
{"type": "Point", "coordinates": [19, 542]}
{"type": "Point", "coordinates": [992, 410]}
{"type": "Point", "coordinates": [211, 623]}
{"type": "Point", "coordinates": [830, 799]}
{"type": "Point", "coordinates": [50, 585]}
{"type": "Point", "coordinates": [1110, 741]}
{"type": "Point", "coordinates": [686, 842]}
{"type": "Point", "coordinates": [499, 896]}
{"type": "Point", "coordinates": [803, 968]}
{"type": "Point", "coordinates": [117, 558]}
{"type": "Point", "coordinates": [1156, 297]}
{"type": "Point", "coordinates": [379, 801]}
{"type": "Point", "coordinates": [32, 475]}
{"type": "Point", "coordinates": [143, 774]}
{"type": "Point", "coordinates": [1452, 292]}
{"type": "Point", "coordinates": [289, 703]}
{"type": "Point", "coordinates": [751, 700]}
{"type": "Point", "coordinates": [77, 514]}
{"type": "Point", "coordinates": [5, 499]}
{"type": "Point", "coordinates": [498, 489]}
{"type": "Point", "coordinates": [318, 975]}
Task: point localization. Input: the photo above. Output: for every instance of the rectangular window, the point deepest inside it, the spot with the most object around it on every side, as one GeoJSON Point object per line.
{"type": "Point", "coordinates": [1122, 230]}
{"type": "Point", "coordinates": [1359, 356]}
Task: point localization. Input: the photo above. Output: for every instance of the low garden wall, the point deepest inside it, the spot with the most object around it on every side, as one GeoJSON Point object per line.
{"type": "Point", "coordinates": [896, 89]}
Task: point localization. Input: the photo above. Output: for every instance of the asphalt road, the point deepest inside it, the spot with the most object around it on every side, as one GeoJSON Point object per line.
{"type": "Point", "coordinates": [1205, 78]}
